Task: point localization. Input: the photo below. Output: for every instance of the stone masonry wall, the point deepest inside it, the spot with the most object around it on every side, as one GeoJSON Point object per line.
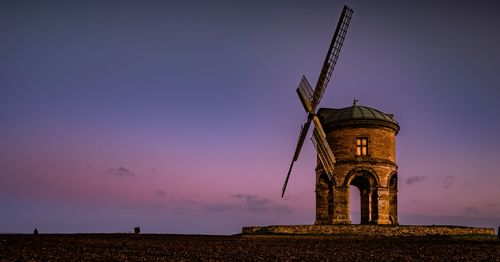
{"type": "Point", "coordinates": [371, 230]}
{"type": "Point", "coordinates": [381, 144]}
{"type": "Point", "coordinates": [378, 198]}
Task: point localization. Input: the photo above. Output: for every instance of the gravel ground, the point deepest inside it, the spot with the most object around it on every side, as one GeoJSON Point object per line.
{"type": "Point", "coordinates": [155, 247]}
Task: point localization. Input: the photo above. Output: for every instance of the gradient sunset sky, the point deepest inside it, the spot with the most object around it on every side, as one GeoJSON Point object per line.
{"type": "Point", "coordinates": [182, 116]}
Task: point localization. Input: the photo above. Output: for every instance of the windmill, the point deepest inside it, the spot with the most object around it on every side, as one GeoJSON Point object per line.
{"type": "Point", "coordinates": [310, 100]}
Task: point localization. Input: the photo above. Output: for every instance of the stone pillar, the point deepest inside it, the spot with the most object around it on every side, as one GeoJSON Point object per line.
{"type": "Point", "coordinates": [331, 204]}
{"type": "Point", "coordinates": [322, 207]}
{"type": "Point", "coordinates": [365, 206]}
{"type": "Point", "coordinates": [383, 206]}
{"type": "Point", "coordinates": [393, 206]}
{"type": "Point", "coordinates": [341, 207]}
{"type": "Point", "coordinates": [374, 205]}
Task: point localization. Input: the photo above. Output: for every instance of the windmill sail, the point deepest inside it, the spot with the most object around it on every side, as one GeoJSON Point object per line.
{"type": "Point", "coordinates": [324, 151]}
{"type": "Point", "coordinates": [298, 147]}
{"type": "Point", "coordinates": [305, 93]}
{"type": "Point", "coordinates": [332, 55]}
{"type": "Point", "coordinates": [310, 99]}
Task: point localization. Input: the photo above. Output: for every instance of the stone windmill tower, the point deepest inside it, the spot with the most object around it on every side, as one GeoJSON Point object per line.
{"type": "Point", "coordinates": [355, 145]}
{"type": "Point", "coordinates": [363, 141]}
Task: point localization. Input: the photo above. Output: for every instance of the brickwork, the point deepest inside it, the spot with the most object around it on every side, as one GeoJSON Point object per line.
{"type": "Point", "coordinates": [374, 174]}
{"type": "Point", "coordinates": [371, 230]}
{"type": "Point", "coordinates": [382, 142]}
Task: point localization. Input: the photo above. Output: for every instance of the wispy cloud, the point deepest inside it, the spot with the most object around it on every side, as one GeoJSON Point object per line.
{"type": "Point", "coordinates": [415, 180]}
{"type": "Point", "coordinates": [166, 203]}
{"type": "Point", "coordinates": [251, 203]}
{"type": "Point", "coordinates": [448, 181]}
{"type": "Point", "coordinates": [120, 171]}
{"type": "Point", "coordinates": [256, 204]}
{"type": "Point", "coordinates": [222, 206]}
{"type": "Point", "coordinates": [160, 193]}
{"type": "Point", "coordinates": [184, 202]}
{"type": "Point", "coordinates": [471, 210]}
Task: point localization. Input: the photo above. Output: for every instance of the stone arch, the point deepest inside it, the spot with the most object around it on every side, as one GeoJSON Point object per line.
{"type": "Point", "coordinates": [392, 175]}
{"type": "Point", "coordinates": [367, 181]}
{"type": "Point", "coordinates": [324, 176]}
{"type": "Point", "coordinates": [362, 171]}
{"type": "Point", "coordinates": [324, 199]}
{"type": "Point", "coordinates": [392, 184]}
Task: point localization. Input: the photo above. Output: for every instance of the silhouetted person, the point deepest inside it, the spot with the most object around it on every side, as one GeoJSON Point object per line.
{"type": "Point", "coordinates": [35, 232]}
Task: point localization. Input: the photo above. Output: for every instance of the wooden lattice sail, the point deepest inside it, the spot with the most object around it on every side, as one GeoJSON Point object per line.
{"type": "Point", "coordinates": [310, 99]}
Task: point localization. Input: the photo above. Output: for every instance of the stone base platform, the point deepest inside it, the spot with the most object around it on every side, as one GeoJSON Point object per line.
{"type": "Point", "coordinates": [369, 230]}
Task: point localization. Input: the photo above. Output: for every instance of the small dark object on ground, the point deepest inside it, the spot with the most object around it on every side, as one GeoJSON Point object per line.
{"type": "Point", "coordinates": [137, 230]}
{"type": "Point", "coordinates": [35, 232]}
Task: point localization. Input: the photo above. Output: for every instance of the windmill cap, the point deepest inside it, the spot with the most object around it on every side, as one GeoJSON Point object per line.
{"type": "Point", "coordinates": [356, 115]}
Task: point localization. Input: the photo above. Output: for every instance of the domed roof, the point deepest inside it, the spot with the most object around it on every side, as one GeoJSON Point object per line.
{"type": "Point", "coordinates": [355, 115]}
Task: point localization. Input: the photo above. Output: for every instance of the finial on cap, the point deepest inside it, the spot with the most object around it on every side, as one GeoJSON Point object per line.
{"type": "Point", "coordinates": [355, 101]}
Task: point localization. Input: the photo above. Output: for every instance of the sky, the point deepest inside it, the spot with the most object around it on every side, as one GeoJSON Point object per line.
{"type": "Point", "coordinates": [182, 116]}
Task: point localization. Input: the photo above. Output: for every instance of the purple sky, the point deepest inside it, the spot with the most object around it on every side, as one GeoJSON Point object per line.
{"type": "Point", "coordinates": [182, 116]}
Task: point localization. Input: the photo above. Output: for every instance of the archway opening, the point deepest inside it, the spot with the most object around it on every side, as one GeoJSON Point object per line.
{"type": "Point", "coordinates": [355, 204]}
{"type": "Point", "coordinates": [363, 184]}
{"type": "Point", "coordinates": [393, 199]}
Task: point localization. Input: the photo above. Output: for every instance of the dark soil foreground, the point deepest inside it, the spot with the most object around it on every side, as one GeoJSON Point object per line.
{"type": "Point", "coordinates": [150, 247]}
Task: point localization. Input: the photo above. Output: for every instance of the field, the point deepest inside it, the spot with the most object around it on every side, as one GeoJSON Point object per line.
{"type": "Point", "coordinates": [156, 247]}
